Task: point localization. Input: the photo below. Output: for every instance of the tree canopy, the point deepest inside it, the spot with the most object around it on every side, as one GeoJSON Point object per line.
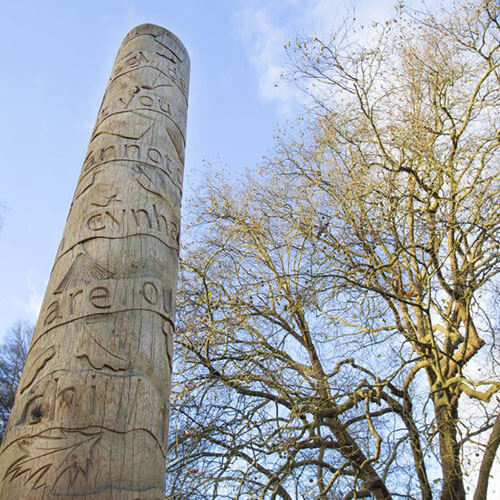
{"type": "Point", "coordinates": [337, 334]}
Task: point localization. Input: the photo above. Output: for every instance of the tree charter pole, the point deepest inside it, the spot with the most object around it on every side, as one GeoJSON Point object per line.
{"type": "Point", "coordinates": [90, 419]}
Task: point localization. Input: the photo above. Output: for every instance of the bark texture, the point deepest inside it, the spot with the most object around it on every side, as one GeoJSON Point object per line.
{"type": "Point", "coordinates": [90, 419]}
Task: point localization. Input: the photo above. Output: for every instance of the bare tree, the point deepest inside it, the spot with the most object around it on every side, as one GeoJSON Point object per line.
{"type": "Point", "coordinates": [336, 334]}
{"type": "Point", "coordinates": [13, 351]}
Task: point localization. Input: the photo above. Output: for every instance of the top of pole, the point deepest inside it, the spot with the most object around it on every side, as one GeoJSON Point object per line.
{"type": "Point", "coordinates": [161, 35]}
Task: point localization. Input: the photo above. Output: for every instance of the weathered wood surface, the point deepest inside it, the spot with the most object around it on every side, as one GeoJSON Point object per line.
{"type": "Point", "coordinates": [90, 419]}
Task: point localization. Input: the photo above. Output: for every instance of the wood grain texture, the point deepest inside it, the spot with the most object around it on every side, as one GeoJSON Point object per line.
{"type": "Point", "coordinates": [90, 419]}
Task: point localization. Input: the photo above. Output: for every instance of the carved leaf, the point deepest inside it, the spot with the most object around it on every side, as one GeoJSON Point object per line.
{"type": "Point", "coordinates": [96, 352]}
{"type": "Point", "coordinates": [83, 269]}
{"type": "Point", "coordinates": [33, 368]}
{"type": "Point", "coordinates": [117, 126]}
{"type": "Point", "coordinates": [47, 458]}
{"type": "Point", "coordinates": [177, 140]}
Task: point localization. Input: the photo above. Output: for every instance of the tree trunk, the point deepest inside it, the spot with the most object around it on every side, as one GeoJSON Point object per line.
{"type": "Point", "coordinates": [487, 462]}
{"type": "Point", "coordinates": [446, 418]}
{"type": "Point", "coordinates": [91, 412]}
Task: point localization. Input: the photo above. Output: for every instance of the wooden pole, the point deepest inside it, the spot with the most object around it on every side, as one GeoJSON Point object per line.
{"type": "Point", "coordinates": [90, 419]}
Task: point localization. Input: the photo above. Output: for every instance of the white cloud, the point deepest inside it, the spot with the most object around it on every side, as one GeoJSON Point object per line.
{"type": "Point", "coordinates": [266, 26]}
{"type": "Point", "coordinates": [265, 34]}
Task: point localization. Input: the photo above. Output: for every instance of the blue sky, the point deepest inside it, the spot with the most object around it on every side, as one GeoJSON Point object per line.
{"type": "Point", "coordinates": [56, 59]}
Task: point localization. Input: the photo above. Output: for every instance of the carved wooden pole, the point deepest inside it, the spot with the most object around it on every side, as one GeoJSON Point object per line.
{"type": "Point", "coordinates": [91, 413]}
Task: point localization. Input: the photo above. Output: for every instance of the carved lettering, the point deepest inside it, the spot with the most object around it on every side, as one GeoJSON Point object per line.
{"type": "Point", "coordinates": [152, 102]}
{"type": "Point", "coordinates": [99, 297]}
{"type": "Point", "coordinates": [167, 300]}
{"type": "Point", "coordinates": [34, 410]}
{"type": "Point", "coordinates": [137, 212]}
{"type": "Point", "coordinates": [108, 295]}
{"type": "Point", "coordinates": [71, 298]}
{"type": "Point", "coordinates": [150, 292]}
{"type": "Point", "coordinates": [131, 61]}
{"type": "Point", "coordinates": [52, 313]}
{"type": "Point", "coordinates": [159, 218]}
{"type": "Point", "coordinates": [146, 100]}
{"type": "Point", "coordinates": [133, 147]}
{"type": "Point", "coordinates": [132, 152]}
{"type": "Point", "coordinates": [116, 222]}
{"type": "Point", "coordinates": [108, 153]}
{"type": "Point", "coordinates": [95, 223]}
{"type": "Point", "coordinates": [172, 72]}
{"type": "Point", "coordinates": [52, 410]}
{"type": "Point", "coordinates": [129, 221]}
{"type": "Point", "coordinates": [66, 396]}
{"type": "Point", "coordinates": [164, 106]}
{"type": "Point", "coordinates": [136, 59]}
{"type": "Point", "coordinates": [92, 398]}
{"type": "Point", "coordinates": [170, 226]}
{"type": "Point", "coordinates": [154, 155]}
{"type": "Point", "coordinates": [105, 110]}
{"type": "Point", "coordinates": [69, 394]}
